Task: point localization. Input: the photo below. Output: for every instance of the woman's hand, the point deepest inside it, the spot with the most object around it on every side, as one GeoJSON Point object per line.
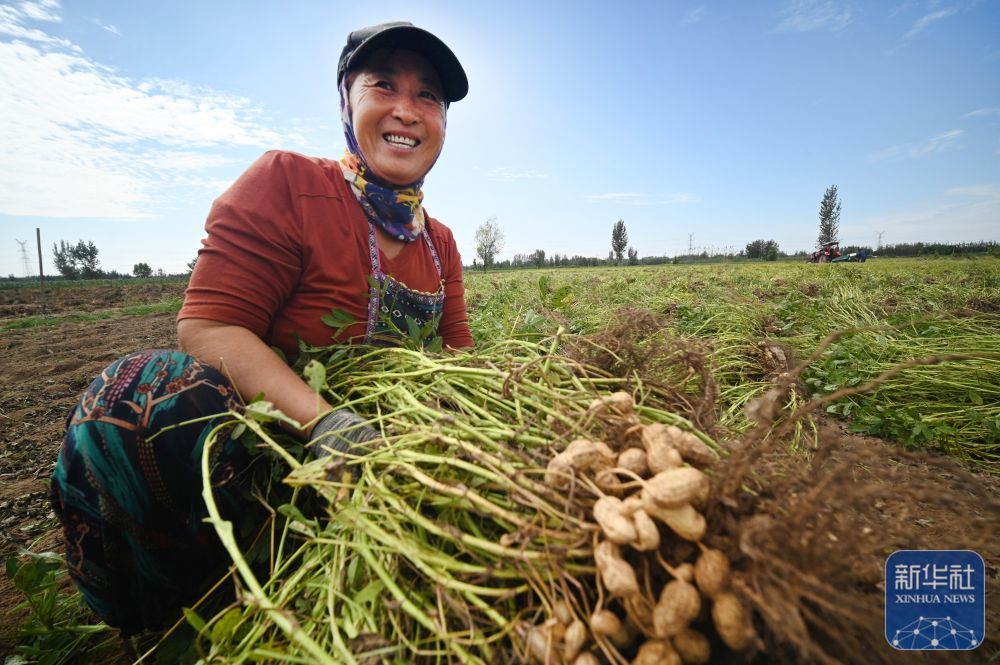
{"type": "Point", "coordinates": [253, 368]}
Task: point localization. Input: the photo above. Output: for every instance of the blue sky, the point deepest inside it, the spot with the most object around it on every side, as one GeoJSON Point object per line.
{"type": "Point", "coordinates": [120, 122]}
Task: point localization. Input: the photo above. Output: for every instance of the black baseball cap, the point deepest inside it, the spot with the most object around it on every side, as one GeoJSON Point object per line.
{"type": "Point", "coordinates": [402, 34]}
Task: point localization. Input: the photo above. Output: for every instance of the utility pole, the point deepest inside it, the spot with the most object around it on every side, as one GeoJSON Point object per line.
{"type": "Point", "coordinates": [880, 234]}
{"type": "Point", "coordinates": [41, 272]}
{"type": "Point", "coordinates": [690, 247]}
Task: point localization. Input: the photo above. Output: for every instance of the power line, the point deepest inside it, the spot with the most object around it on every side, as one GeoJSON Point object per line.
{"type": "Point", "coordinates": [25, 262]}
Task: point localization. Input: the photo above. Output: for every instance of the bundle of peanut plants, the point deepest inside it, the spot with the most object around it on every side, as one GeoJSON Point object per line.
{"type": "Point", "coordinates": [521, 507]}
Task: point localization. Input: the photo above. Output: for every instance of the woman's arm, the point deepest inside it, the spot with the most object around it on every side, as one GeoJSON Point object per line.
{"type": "Point", "coordinates": [454, 325]}
{"type": "Point", "coordinates": [252, 367]}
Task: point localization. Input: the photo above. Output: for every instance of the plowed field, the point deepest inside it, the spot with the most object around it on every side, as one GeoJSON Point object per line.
{"type": "Point", "coordinates": [43, 369]}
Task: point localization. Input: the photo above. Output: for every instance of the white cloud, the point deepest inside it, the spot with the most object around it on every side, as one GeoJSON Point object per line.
{"type": "Point", "coordinates": [809, 15]}
{"type": "Point", "coordinates": [43, 10]}
{"type": "Point", "coordinates": [694, 16]}
{"type": "Point", "coordinates": [941, 143]}
{"type": "Point", "coordinates": [13, 17]}
{"type": "Point", "coordinates": [503, 173]}
{"type": "Point", "coordinates": [928, 19]}
{"type": "Point", "coordinates": [983, 113]}
{"type": "Point", "coordinates": [104, 26]}
{"type": "Point", "coordinates": [934, 14]}
{"type": "Point", "coordinates": [80, 140]}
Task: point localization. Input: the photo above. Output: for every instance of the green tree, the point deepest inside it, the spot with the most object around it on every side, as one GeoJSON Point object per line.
{"type": "Point", "coordinates": [142, 270]}
{"type": "Point", "coordinates": [85, 254]}
{"type": "Point", "coordinates": [191, 264]}
{"type": "Point", "coordinates": [619, 240]}
{"type": "Point", "coordinates": [76, 261]}
{"type": "Point", "coordinates": [829, 217]}
{"type": "Point", "coordinates": [489, 241]}
{"type": "Point", "coordinates": [65, 264]}
{"type": "Point", "coordinates": [538, 258]}
{"type": "Point", "coordinates": [633, 256]}
{"type": "Point", "coordinates": [762, 249]}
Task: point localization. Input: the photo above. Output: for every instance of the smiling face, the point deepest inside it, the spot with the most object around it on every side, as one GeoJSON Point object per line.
{"type": "Point", "coordinates": [398, 113]}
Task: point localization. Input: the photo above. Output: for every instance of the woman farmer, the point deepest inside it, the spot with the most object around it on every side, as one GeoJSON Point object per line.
{"type": "Point", "coordinates": [293, 238]}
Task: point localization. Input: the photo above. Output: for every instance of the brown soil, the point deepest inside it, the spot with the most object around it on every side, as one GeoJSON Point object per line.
{"type": "Point", "coordinates": [21, 302]}
{"type": "Point", "coordinates": [810, 544]}
{"type": "Point", "coordinates": [42, 372]}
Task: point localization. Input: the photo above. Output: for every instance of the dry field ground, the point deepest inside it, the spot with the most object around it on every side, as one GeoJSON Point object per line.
{"type": "Point", "coordinates": [43, 369]}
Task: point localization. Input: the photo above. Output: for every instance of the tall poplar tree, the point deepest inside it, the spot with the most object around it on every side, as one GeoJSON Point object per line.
{"type": "Point", "coordinates": [829, 217]}
{"type": "Point", "coordinates": [619, 240]}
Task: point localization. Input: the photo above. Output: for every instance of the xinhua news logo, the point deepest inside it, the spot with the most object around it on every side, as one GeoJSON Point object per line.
{"type": "Point", "coordinates": [935, 599]}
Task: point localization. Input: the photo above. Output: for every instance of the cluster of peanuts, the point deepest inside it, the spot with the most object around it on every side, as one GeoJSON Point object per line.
{"type": "Point", "coordinates": [647, 484]}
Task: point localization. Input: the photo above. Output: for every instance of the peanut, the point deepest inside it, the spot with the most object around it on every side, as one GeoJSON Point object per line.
{"type": "Point", "coordinates": [656, 652]}
{"type": "Point", "coordinates": [674, 487]}
{"type": "Point", "coordinates": [660, 454]}
{"type": "Point", "coordinates": [624, 638]}
{"type": "Point", "coordinates": [634, 460]}
{"type": "Point", "coordinates": [693, 450]}
{"type": "Point", "coordinates": [631, 504]}
{"type": "Point", "coordinates": [692, 646]}
{"type": "Point", "coordinates": [711, 571]}
{"type": "Point", "coordinates": [621, 402]}
{"type": "Point", "coordinates": [562, 611]}
{"type": "Point", "coordinates": [541, 647]}
{"type": "Point", "coordinates": [647, 533]}
{"type": "Point", "coordinates": [684, 520]}
{"type": "Point", "coordinates": [679, 604]}
{"type": "Point", "coordinates": [618, 528]}
{"type": "Point", "coordinates": [576, 637]}
{"type": "Point", "coordinates": [732, 621]}
{"type": "Point", "coordinates": [618, 576]}
{"type": "Point", "coordinates": [605, 622]}
{"type": "Point", "coordinates": [583, 454]}
{"type": "Point", "coordinates": [555, 628]}
{"type": "Point", "coordinates": [580, 455]}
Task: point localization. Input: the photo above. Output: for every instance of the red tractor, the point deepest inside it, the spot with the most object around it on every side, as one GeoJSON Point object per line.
{"type": "Point", "coordinates": [826, 253]}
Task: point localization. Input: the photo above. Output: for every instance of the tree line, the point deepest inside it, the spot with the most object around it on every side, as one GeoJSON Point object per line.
{"type": "Point", "coordinates": [80, 261]}
{"type": "Point", "coordinates": [490, 238]}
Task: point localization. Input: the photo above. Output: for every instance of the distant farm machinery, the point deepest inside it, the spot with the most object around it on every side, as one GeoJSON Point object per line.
{"type": "Point", "coordinates": [830, 253]}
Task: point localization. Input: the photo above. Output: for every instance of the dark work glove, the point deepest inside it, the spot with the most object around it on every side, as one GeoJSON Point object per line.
{"type": "Point", "coordinates": [341, 431]}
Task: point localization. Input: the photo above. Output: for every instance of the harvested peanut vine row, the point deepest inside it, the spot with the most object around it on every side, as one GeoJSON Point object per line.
{"type": "Point", "coordinates": [522, 507]}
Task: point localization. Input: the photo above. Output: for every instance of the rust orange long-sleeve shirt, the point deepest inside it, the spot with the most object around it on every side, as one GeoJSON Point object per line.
{"type": "Point", "coordinates": [288, 242]}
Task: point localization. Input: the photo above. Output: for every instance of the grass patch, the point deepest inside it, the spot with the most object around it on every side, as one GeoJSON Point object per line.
{"type": "Point", "coordinates": [165, 306]}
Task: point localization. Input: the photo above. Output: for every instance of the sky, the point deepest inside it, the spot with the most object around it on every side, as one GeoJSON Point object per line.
{"type": "Point", "coordinates": [702, 124]}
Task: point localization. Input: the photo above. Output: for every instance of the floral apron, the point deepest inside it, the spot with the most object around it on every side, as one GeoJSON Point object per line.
{"type": "Point", "coordinates": [127, 487]}
{"type": "Point", "coordinates": [396, 311]}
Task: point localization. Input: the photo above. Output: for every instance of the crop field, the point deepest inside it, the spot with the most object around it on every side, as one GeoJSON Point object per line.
{"type": "Point", "coordinates": [838, 413]}
{"type": "Point", "coordinates": [889, 312]}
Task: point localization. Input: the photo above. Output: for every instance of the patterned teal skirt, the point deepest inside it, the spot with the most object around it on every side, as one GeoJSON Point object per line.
{"type": "Point", "coordinates": [127, 487]}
